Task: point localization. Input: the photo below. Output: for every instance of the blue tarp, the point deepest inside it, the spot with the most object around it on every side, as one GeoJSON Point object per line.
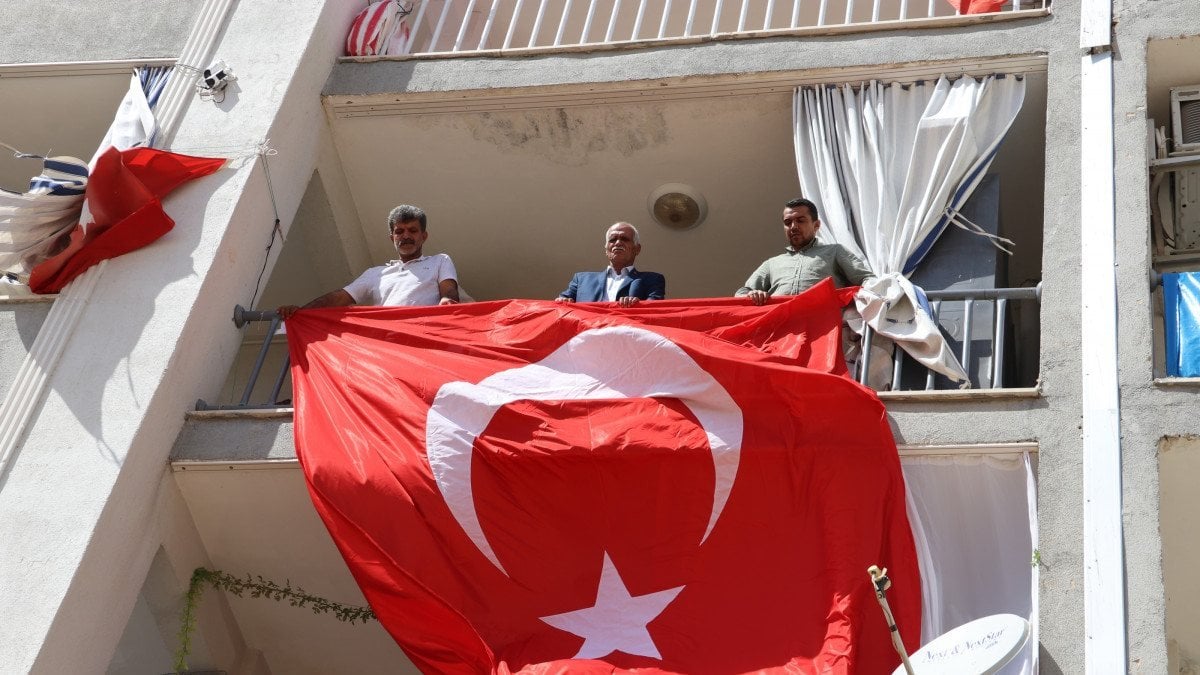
{"type": "Point", "coordinates": [1181, 310]}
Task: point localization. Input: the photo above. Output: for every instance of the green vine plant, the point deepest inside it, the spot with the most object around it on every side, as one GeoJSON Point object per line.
{"type": "Point", "coordinates": [257, 587]}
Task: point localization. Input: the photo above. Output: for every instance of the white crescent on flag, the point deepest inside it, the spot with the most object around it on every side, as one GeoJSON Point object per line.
{"type": "Point", "coordinates": [605, 363]}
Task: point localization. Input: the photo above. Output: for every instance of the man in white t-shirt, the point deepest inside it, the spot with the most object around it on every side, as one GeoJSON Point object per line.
{"type": "Point", "coordinates": [412, 280]}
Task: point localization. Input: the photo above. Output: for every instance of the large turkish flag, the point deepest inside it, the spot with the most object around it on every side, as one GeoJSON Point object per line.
{"type": "Point", "coordinates": [526, 486]}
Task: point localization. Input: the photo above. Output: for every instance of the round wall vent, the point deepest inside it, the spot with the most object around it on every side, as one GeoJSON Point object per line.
{"type": "Point", "coordinates": [677, 206]}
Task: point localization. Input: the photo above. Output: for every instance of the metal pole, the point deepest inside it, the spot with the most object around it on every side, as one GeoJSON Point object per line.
{"type": "Point", "coordinates": [258, 363]}
{"type": "Point", "coordinates": [416, 26]}
{"type": "Point", "coordinates": [968, 304]}
{"type": "Point", "coordinates": [512, 24]}
{"type": "Point", "coordinates": [487, 26]}
{"type": "Point", "coordinates": [998, 344]}
{"type": "Point", "coordinates": [936, 305]}
{"type": "Point", "coordinates": [864, 361]}
{"type": "Point", "coordinates": [562, 23]}
{"type": "Point", "coordinates": [612, 21]}
{"type": "Point", "coordinates": [462, 30]}
{"type": "Point", "coordinates": [283, 373]}
{"type": "Point", "coordinates": [717, 17]}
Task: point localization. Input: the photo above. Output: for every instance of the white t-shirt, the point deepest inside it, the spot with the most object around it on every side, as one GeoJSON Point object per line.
{"type": "Point", "coordinates": [403, 283]}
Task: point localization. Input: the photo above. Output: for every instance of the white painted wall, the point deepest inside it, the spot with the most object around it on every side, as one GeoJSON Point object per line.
{"type": "Point", "coordinates": [77, 507]}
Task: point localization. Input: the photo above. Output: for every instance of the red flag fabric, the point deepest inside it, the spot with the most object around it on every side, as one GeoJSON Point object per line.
{"type": "Point", "coordinates": [122, 196]}
{"type": "Point", "coordinates": [524, 486]}
{"type": "Point", "coordinates": [977, 6]}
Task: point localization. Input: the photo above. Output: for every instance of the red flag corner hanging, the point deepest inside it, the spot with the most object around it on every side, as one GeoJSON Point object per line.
{"type": "Point", "coordinates": [977, 6]}
{"type": "Point", "coordinates": [123, 199]}
{"type": "Point", "coordinates": [522, 486]}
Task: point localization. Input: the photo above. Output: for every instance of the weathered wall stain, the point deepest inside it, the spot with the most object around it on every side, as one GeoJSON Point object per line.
{"type": "Point", "coordinates": [570, 135]}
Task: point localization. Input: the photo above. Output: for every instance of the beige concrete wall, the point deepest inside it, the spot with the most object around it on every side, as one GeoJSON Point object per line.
{"type": "Point", "coordinates": [1179, 504]}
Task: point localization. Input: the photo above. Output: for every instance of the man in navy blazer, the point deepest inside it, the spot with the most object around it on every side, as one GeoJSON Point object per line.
{"type": "Point", "coordinates": [620, 283]}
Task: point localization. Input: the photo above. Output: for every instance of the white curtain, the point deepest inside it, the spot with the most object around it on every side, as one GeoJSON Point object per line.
{"type": "Point", "coordinates": [974, 523]}
{"type": "Point", "coordinates": [889, 165]}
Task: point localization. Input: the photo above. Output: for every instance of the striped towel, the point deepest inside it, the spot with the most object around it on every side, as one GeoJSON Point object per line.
{"type": "Point", "coordinates": [378, 30]}
{"type": "Point", "coordinates": [32, 223]}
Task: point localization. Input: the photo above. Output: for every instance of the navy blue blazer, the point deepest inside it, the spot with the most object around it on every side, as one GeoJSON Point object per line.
{"type": "Point", "coordinates": [590, 286]}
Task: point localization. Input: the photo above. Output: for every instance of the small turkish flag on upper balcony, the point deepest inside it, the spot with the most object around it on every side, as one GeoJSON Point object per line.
{"type": "Point", "coordinates": [529, 487]}
{"type": "Point", "coordinates": [122, 210]}
{"type": "Point", "coordinates": [977, 6]}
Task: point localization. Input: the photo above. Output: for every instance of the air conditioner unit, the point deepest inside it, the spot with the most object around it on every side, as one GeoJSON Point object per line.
{"type": "Point", "coordinates": [1187, 209]}
{"type": "Point", "coordinates": [1185, 119]}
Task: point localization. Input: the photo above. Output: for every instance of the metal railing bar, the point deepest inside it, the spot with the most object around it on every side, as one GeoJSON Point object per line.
{"type": "Point", "coordinates": [432, 32]}
{"type": "Point", "coordinates": [666, 15]}
{"type": "Point", "coordinates": [864, 363]}
{"type": "Point", "coordinates": [537, 23]}
{"type": "Point", "coordinates": [612, 21]}
{"type": "Point", "coordinates": [437, 32]}
{"type": "Point", "coordinates": [1001, 308]}
{"type": "Point", "coordinates": [462, 31]}
{"type": "Point", "coordinates": [716, 23]}
{"type": "Point", "coordinates": [283, 373]}
{"type": "Point", "coordinates": [201, 405]}
{"type": "Point", "coordinates": [487, 25]}
{"type": "Point", "coordinates": [691, 18]}
{"type": "Point", "coordinates": [243, 316]}
{"type": "Point", "coordinates": [258, 362]}
{"type": "Point", "coordinates": [416, 27]}
{"type": "Point", "coordinates": [897, 361]}
{"type": "Point", "coordinates": [968, 304]}
{"type": "Point", "coordinates": [936, 306]}
{"type": "Point", "coordinates": [637, 22]}
{"type": "Point", "coordinates": [587, 23]}
{"type": "Point", "coordinates": [1028, 293]}
{"type": "Point", "coordinates": [562, 23]}
{"type": "Point", "coordinates": [512, 24]}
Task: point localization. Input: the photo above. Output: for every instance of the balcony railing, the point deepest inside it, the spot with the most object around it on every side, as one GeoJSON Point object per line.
{"type": "Point", "coordinates": [979, 334]}
{"type": "Point", "coordinates": [453, 26]}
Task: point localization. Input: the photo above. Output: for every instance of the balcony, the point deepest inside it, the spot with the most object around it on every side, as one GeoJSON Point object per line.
{"type": "Point", "coordinates": [444, 27]}
{"type": "Point", "coordinates": [983, 339]}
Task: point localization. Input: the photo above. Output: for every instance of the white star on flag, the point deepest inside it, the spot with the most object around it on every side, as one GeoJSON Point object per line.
{"type": "Point", "coordinates": [617, 622]}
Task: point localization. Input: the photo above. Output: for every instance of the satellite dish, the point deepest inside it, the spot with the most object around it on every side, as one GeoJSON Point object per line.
{"type": "Point", "coordinates": [981, 647]}
{"type": "Point", "coordinates": [677, 206]}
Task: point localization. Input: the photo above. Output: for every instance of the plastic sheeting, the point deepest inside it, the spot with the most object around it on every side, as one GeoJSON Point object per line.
{"type": "Point", "coordinates": [1181, 314]}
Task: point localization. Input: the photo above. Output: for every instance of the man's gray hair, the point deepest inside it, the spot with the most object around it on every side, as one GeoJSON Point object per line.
{"type": "Point", "coordinates": [637, 237]}
{"type": "Point", "coordinates": [406, 213]}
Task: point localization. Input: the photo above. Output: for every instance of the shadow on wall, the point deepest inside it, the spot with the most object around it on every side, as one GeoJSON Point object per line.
{"type": "Point", "coordinates": [114, 344]}
{"type": "Point", "coordinates": [19, 326]}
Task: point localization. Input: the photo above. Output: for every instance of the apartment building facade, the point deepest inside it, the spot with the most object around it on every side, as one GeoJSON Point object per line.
{"type": "Point", "coordinates": [523, 138]}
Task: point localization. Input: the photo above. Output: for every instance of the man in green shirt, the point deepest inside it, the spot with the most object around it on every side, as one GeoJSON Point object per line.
{"type": "Point", "coordinates": [806, 261]}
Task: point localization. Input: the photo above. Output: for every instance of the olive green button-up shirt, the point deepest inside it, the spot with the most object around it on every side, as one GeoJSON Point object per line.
{"type": "Point", "coordinates": [794, 272]}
